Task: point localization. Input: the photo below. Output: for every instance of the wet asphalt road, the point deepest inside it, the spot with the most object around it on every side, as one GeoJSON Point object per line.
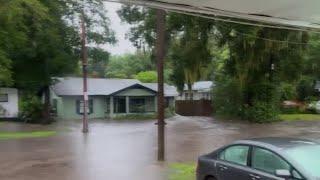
{"type": "Point", "coordinates": [126, 149]}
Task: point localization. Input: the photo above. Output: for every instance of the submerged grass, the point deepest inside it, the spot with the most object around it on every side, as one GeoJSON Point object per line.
{"type": "Point", "coordinates": [299, 117]}
{"type": "Point", "coordinates": [23, 135]}
{"type": "Point", "coordinates": [181, 171]}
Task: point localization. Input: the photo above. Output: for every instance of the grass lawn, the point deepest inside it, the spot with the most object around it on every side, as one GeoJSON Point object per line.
{"type": "Point", "coordinates": [296, 117]}
{"type": "Point", "coordinates": [22, 135]}
{"type": "Point", "coordinates": [179, 171]}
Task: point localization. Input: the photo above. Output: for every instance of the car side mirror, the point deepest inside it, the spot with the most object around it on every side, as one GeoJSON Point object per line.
{"type": "Point", "coordinates": [283, 173]}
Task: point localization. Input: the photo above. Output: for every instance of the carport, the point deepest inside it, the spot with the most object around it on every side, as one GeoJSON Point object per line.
{"type": "Point", "coordinates": [285, 14]}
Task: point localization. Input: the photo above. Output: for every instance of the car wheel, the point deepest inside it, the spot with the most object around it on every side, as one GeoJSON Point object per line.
{"type": "Point", "coordinates": [211, 178]}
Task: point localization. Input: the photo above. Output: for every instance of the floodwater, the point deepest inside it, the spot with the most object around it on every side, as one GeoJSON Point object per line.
{"type": "Point", "coordinates": [126, 149]}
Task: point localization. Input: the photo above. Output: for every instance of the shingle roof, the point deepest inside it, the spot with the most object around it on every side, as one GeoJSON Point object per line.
{"type": "Point", "coordinates": [72, 86]}
{"type": "Point", "coordinates": [169, 91]}
{"type": "Point", "coordinates": [201, 86]}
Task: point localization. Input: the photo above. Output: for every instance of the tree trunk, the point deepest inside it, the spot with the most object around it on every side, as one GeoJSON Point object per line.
{"type": "Point", "coordinates": [46, 109]}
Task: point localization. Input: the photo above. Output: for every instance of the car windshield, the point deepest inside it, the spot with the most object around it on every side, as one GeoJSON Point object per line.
{"type": "Point", "coordinates": [308, 158]}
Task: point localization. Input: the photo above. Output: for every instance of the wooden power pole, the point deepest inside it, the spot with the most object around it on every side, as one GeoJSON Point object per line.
{"type": "Point", "coordinates": [84, 53]}
{"type": "Point", "coordinates": [160, 54]}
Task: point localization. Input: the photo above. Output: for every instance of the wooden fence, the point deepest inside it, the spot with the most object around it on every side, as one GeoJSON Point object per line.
{"type": "Point", "coordinates": [194, 107]}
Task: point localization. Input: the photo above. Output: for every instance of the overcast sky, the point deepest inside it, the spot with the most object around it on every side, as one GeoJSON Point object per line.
{"type": "Point", "coordinates": [123, 45]}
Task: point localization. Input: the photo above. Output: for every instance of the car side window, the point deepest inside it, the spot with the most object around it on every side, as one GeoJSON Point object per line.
{"type": "Point", "coordinates": [268, 161]}
{"type": "Point", "coordinates": [236, 154]}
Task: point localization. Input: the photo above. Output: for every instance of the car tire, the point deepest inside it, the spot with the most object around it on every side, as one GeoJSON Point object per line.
{"type": "Point", "coordinates": [210, 178]}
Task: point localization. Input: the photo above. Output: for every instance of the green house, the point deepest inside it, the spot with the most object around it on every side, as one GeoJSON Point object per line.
{"type": "Point", "coordinates": [108, 98]}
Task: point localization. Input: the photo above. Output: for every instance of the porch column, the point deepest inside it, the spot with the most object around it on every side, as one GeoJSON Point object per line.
{"type": "Point", "coordinates": [127, 105]}
{"type": "Point", "coordinates": [111, 107]}
{"type": "Point", "coordinates": [156, 103]}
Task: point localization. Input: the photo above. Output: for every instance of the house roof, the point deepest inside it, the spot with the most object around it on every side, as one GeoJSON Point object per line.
{"type": "Point", "coordinates": [169, 91]}
{"type": "Point", "coordinates": [201, 86]}
{"type": "Point", "coordinates": [73, 86]}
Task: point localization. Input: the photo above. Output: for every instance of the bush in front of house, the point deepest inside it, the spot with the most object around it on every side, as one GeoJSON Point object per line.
{"type": "Point", "coordinates": [31, 109]}
{"type": "Point", "coordinates": [305, 89]}
{"type": "Point", "coordinates": [169, 112]}
{"type": "Point", "coordinates": [262, 112]}
{"type": "Point", "coordinates": [227, 98]}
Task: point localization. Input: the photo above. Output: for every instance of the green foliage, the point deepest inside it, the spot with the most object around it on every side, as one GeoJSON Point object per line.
{"type": "Point", "coordinates": [143, 33]}
{"type": "Point", "coordinates": [5, 70]}
{"type": "Point", "coordinates": [291, 110]}
{"type": "Point", "coordinates": [128, 65]}
{"type": "Point", "coordinates": [169, 112]}
{"type": "Point", "coordinates": [266, 102]}
{"type": "Point", "coordinates": [227, 98]}
{"type": "Point", "coordinates": [189, 50]}
{"type": "Point", "coordinates": [31, 109]}
{"type": "Point", "coordinates": [288, 91]}
{"type": "Point", "coordinates": [98, 59]}
{"type": "Point", "coordinates": [96, 20]}
{"type": "Point", "coordinates": [262, 112]}
{"type": "Point", "coordinates": [305, 88]}
{"type": "Point", "coordinates": [149, 116]}
{"type": "Point", "coordinates": [299, 117]}
{"type": "Point", "coordinates": [147, 77]}
{"type": "Point", "coordinates": [179, 171]}
{"type": "Point", "coordinates": [23, 135]}
{"type": "Point", "coordinates": [187, 39]}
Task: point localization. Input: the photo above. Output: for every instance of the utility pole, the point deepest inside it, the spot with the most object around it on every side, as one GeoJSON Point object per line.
{"type": "Point", "coordinates": [160, 54]}
{"type": "Point", "coordinates": [84, 54]}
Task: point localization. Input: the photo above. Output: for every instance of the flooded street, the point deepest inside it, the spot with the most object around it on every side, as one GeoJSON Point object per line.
{"type": "Point", "coordinates": [125, 149]}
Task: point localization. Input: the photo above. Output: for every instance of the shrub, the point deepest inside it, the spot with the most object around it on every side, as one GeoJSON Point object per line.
{"type": "Point", "coordinates": [262, 112]}
{"type": "Point", "coordinates": [169, 112]}
{"type": "Point", "coordinates": [288, 91]}
{"type": "Point", "coordinates": [31, 109]}
{"type": "Point", "coordinates": [227, 98]}
{"type": "Point", "coordinates": [266, 103]}
{"type": "Point", "coordinates": [305, 88]}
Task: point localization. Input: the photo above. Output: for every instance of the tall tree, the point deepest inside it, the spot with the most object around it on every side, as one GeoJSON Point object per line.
{"type": "Point", "coordinates": [98, 30]}
{"type": "Point", "coordinates": [259, 59]}
{"type": "Point", "coordinates": [40, 40]}
{"type": "Point", "coordinates": [189, 50]}
{"type": "Point", "coordinates": [185, 36]}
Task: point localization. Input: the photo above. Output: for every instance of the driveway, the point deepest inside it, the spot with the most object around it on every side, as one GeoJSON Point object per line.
{"type": "Point", "coordinates": [125, 149]}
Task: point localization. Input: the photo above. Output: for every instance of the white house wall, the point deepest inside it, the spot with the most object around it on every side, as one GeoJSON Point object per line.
{"type": "Point", "coordinates": [11, 107]}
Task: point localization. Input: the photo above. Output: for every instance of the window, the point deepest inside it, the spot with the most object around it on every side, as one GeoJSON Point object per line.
{"type": "Point", "coordinates": [267, 161]}
{"type": "Point", "coordinates": [120, 105]}
{"type": "Point", "coordinates": [80, 106]}
{"type": "Point", "coordinates": [4, 98]}
{"type": "Point", "coordinates": [137, 104]}
{"type": "Point", "coordinates": [107, 105]}
{"type": "Point", "coordinates": [142, 104]}
{"type": "Point", "coordinates": [235, 154]}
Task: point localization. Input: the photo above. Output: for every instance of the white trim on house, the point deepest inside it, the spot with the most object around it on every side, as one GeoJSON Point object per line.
{"type": "Point", "coordinates": [9, 103]}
